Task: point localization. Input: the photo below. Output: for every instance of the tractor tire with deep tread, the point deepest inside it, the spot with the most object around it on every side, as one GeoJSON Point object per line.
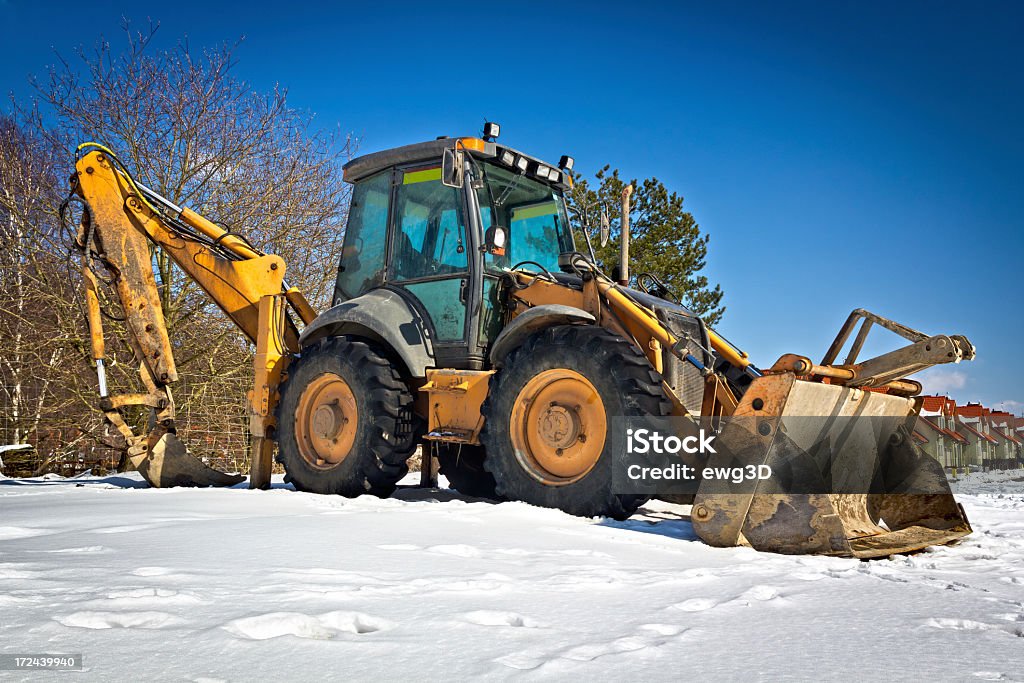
{"type": "Point", "coordinates": [626, 384]}
{"type": "Point", "coordinates": [463, 466]}
{"type": "Point", "coordinates": [384, 434]}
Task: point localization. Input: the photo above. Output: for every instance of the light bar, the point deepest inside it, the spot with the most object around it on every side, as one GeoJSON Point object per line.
{"type": "Point", "coordinates": [522, 163]}
{"type": "Point", "coordinates": [507, 157]}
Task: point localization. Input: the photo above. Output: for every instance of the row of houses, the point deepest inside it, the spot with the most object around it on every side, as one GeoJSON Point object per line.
{"type": "Point", "coordinates": [971, 436]}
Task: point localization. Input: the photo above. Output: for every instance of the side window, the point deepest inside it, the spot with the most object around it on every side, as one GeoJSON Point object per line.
{"type": "Point", "coordinates": [362, 256]}
{"type": "Point", "coordinates": [430, 240]}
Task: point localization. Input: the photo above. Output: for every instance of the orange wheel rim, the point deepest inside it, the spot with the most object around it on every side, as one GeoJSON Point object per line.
{"type": "Point", "coordinates": [558, 427]}
{"type": "Point", "coordinates": [326, 421]}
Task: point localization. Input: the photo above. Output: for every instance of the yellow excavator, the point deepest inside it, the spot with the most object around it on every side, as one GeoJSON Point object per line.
{"type": "Point", "coordinates": [465, 320]}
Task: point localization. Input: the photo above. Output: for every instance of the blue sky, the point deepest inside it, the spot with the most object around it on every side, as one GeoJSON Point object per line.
{"type": "Point", "coordinates": [840, 155]}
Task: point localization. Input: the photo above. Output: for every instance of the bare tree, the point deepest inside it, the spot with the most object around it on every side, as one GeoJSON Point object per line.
{"type": "Point", "coordinates": [190, 129]}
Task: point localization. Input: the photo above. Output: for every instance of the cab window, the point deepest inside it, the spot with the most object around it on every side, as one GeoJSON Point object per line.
{"type": "Point", "coordinates": [362, 256]}
{"type": "Point", "coordinates": [533, 214]}
{"type": "Point", "coordinates": [430, 235]}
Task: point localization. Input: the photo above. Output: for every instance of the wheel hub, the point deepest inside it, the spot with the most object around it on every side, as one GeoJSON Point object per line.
{"type": "Point", "coordinates": [558, 427]}
{"type": "Point", "coordinates": [325, 421]}
{"type": "Point", "coordinates": [328, 420]}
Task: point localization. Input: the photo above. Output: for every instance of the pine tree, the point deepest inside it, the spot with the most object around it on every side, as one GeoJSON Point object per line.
{"type": "Point", "coordinates": [665, 239]}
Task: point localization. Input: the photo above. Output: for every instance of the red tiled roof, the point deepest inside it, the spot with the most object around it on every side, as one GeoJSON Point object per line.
{"type": "Point", "coordinates": [974, 431]}
{"type": "Point", "coordinates": [939, 404]}
{"type": "Point", "coordinates": [946, 432]}
{"type": "Point", "coordinates": [920, 437]}
{"type": "Point", "coordinates": [972, 410]}
{"type": "Point", "coordinates": [1006, 436]}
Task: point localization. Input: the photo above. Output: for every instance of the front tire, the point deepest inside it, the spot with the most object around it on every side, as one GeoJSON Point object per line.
{"type": "Point", "coordinates": [345, 422]}
{"type": "Point", "coordinates": [547, 416]}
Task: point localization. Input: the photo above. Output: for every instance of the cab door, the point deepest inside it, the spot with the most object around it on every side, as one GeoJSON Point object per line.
{"type": "Point", "coordinates": [430, 256]}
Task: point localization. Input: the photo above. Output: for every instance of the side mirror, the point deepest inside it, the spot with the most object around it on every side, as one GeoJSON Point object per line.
{"type": "Point", "coordinates": [606, 227]}
{"type": "Point", "coordinates": [452, 167]}
{"type": "Point", "coordinates": [495, 240]}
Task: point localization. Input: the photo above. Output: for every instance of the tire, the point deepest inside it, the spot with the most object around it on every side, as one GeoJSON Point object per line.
{"type": "Point", "coordinates": [366, 386]}
{"type": "Point", "coordinates": [611, 367]}
{"type": "Point", "coordinates": [463, 466]}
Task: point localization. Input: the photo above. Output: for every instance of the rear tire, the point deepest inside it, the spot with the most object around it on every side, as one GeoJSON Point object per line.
{"type": "Point", "coordinates": [463, 466]}
{"type": "Point", "coordinates": [564, 382]}
{"type": "Point", "coordinates": [345, 423]}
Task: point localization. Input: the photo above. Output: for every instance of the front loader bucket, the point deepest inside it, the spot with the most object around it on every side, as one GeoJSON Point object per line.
{"type": "Point", "coordinates": [164, 461]}
{"type": "Point", "coordinates": [847, 477]}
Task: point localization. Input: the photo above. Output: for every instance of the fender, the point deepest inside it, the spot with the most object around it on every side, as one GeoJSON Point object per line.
{"type": "Point", "coordinates": [537, 318]}
{"type": "Point", "coordinates": [383, 316]}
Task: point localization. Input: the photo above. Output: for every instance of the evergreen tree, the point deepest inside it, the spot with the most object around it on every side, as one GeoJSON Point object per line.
{"type": "Point", "coordinates": [665, 240]}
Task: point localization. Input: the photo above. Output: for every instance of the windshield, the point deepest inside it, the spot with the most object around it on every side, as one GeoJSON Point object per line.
{"type": "Point", "coordinates": [532, 212]}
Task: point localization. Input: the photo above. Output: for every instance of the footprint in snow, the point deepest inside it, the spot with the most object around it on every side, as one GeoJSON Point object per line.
{"type": "Point", "coordinates": [491, 618]}
{"type": "Point", "coordinates": [959, 624]}
{"type": "Point", "coordinates": [761, 593]}
{"type": "Point", "coordinates": [696, 604]}
{"type": "Point", "coordinates": [700, 573]}
{"type": "Point", "coordinates": [591, 651]}
{"type": "Point", "coordinates": [322, 627]}
{"type": "Point", "coordinates": [136, 597]}
{"type": "Point", "coordinates": [648, 636]}
{"type": "Point", "coordinates": [104, 620]}
{"type": "Point", "coordinates": [663, 629]}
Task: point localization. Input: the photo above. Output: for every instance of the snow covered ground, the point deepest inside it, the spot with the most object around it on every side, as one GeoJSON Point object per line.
{"type": "Point", "coordinates": [269, 585]}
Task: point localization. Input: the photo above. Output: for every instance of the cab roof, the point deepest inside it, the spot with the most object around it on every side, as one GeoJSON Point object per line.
{"type": "Point", "coordinates": [369, 164]}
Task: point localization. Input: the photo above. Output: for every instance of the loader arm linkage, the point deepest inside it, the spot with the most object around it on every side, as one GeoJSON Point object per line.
{"type": "Point", "coordinates": [894, 498]}
{"type": "Point", "coordinates": [613, 307]}
{"type": "Point", "coordinates": [120, 221]}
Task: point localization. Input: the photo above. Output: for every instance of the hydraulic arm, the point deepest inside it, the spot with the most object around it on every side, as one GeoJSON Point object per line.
{"type": "Point", "coordinates": [121, 220]}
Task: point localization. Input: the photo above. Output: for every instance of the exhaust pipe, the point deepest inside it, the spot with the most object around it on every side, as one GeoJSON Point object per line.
{"type": "Point", "coordinates": [624, 238]}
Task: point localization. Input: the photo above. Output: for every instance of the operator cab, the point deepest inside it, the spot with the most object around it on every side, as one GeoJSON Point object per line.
{"type": "Point", "coordinates": [438, 222]}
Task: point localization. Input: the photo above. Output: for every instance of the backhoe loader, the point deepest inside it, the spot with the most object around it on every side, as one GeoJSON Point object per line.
{"type": "Point", "coordinates": [465, 320]}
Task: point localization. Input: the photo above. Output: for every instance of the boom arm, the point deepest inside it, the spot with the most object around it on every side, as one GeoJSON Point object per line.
{"type": "Point", "coordinates": [122, 218]}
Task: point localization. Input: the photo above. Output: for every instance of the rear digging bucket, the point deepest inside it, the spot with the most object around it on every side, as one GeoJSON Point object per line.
{"type": "Point", "coordinates": [164, 462]}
